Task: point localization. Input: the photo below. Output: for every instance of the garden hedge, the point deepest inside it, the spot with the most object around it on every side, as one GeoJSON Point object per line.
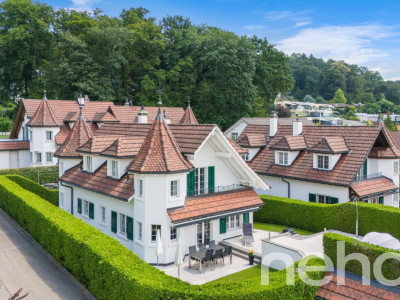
{"type": "Point", "coordinates": [27, 184]}
{"type": "Point", "coordinates": [111, 271]}
{"type": "Point", "coordinates": [390, 268]}
{"type": "Point", "coordinates": [44, 174]}
{"type": "Point", "coordinates": [315, 216]}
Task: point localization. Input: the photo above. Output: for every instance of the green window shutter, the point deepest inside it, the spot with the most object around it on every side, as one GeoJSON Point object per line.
{"type": "Point", "coordinates": [114, 221]}
{"type": "Point", "coordinates": [381, 200]}
{"type": "Point", "coordinates": [211, 179]}
{"type": "Point", "coordinates": [79, 205]}
{"type": "Point", "coordinates": [190, 183]}
{"type": "Point", "coordinates": [91, 210]}
{"type": "Point", "coordinates": [334, 200]}
{"type": "Point", "coordinates": [312, 197]}
{"type": "Point", "coordinates": [129, 228]}
{"type": "Point", "coordinates": [246, 218]}
{"type": "Point", "coordinates": [222, 225]}
{"type": "Point", "coordinates": [365, 168]}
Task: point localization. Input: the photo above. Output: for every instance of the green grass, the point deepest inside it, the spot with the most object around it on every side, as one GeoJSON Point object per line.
{"type": "Point", "coordinates": [4, 136]}
{"type": "Point", "coordinates": [278, 228]}
{"type": "Point", "coordinates": [249, 273]}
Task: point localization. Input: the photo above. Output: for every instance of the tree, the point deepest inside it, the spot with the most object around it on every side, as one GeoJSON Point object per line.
{"type": "Point", "coordinates": [386, 106]}
{"type": "Point", "coordinates": [5, 124]}
{"type": "Point", "coordinates": [389, 123]}
{"type": "Point", "coordinates": [365, 98]}
{"type": "Point", "coordinates": [370, 108]}
{"type": "Point", "coordinates": [309, 98]}
{"type": "Point", "coordinates": [282, 112]}
{"type": "Point", "coordinates": [339, 97]}
{"type": "Point", "coordinates": [320, 99]}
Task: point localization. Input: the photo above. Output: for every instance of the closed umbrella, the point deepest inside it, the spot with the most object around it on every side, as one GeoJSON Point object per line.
{"type": "Point", "coordinates": [159, 248]}
{"type": "Point", "coordinates": [178, 257]}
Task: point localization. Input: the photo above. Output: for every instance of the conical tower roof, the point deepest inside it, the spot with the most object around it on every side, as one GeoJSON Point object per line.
{"type": "Point", "coordinates": [188, 116]}
{"type": "Point", "coordinates": [160, 152]}
{"type": "Point", "coordinates": [44, 116]}
{"type": "Point", "coordinates": [79, 135]}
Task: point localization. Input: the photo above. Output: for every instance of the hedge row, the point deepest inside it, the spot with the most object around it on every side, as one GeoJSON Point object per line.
{"type": "Point", "coordinates": [315, 216]}
{"type": "Point", "coordinates": [36, 174]}
{"type": "Point", "coordinates": [111, 271]}
{"type": "Point", "coordinates": [27, 184]}
{"type": "Point", "coordinates": [390, 268]}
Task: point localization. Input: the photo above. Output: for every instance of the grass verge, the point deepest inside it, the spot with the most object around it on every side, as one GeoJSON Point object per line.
{"type": "Point", "coordinates": [279, 228]}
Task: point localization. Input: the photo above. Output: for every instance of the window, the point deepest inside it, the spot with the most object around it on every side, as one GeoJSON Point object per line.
{"type": "Point", "coordinates": [203, 233]}
{"type": "Point", "coordinates": [114, 168]}
{"type": "Point", "coordinates": [30, 159]}
{"type": "Point", "coordinates": [38, 157]}
{"type": "Point", "coordinates": [323, 162]}
{"type": "Point", "coordinates": [88, 160]}
{"type": "Point", "coordinates": [234, 136]}
{"type": "Point", "coordinates": [233, 222]}
{"type": "Point", "coordinates": [154, 229]}
{"type": "Point", "coordinates": [199, 181]}
{"type": "Point", "coordinates": [86, 207]}
{"type": "Point", "coordinates": [246, 157]}
{"type": "Point", "coordinates": [396, 168]}
{"type": "Point", "coordinates": [140, 231]}
{"type": "Point", "coordinates": [324, 199]}
{"type": "Point", "coordinates": [122, 223]}
{"type": "Point", "coordinates": [174, 188]}
{"type": "Point", "coordinates": [49, 157]}
{"type": "Point", "coordinates": [49, 135]}
{"type": "Point", "coordinates": [173, 234]}
{"type": "Point", "coordinates": [140, 187]}
{"type": "Point", "coordinates": [103, 214]}
{"type": "Point", "coordinates": [283, 158]}
{"type": "Point", "coordinates": [61, 199]}
{"type": "Point", "coordinates": [31, 135]}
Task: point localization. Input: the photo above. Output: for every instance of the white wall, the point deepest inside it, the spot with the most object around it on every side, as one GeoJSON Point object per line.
{"type": "Point", "coordinates": [238, 128]}
{"type": "Point", "coordinates": [252, 152]}
{"type": "Point", "coordinates": [38, 143]}
{"type": "Point", "coordinates": [14, 159]}
{"type": "Point", "coordinates": [67, 163]}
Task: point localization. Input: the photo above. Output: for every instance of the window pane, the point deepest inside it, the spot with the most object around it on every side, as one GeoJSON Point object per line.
{"type": "Point", "coordinates": [199, 233]}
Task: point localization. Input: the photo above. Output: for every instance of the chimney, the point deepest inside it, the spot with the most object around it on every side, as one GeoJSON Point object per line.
{"type": "Point", "coordinates": [273, 124]}
{"type": "Point", "coordinates": [142, 116]}
{"type": "Point", "coordinates": [297, 127]}
{"type": "Point", "coordinates": [168, 121]}
{"type": "Point", "coordinates": [87, 98]}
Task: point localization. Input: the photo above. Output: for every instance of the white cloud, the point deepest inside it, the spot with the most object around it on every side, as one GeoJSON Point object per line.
{"type": "Point", "coordinates": [82, 5]}
{"type": "Point", "coordinates": [304, 23]}
{"type": "Point", "coordinates": [285, 15]}
{"type": "Point", "coordinates": [353, 44]}
{"type": "Point", "coordinates": [254, 27]}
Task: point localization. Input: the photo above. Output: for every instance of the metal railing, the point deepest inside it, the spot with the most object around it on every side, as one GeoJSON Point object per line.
{"type": "Point", "coordinates": [216, 189]}
{"type": "Point", "coordinates": [367, 176]}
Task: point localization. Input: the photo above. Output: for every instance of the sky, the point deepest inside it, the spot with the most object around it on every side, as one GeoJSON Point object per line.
{"type": "Point", "coordinates": [366, 32]}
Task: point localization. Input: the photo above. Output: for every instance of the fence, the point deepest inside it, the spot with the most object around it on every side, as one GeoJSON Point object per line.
{"type": "Point", "coordinates": [37, 174]}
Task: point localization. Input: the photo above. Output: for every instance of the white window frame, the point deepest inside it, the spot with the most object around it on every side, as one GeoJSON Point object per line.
{"type": "Point", "coordinates": [86, 208]}
{"type": "Point", "coordinates": [122, 224]}
{"type": "Point", "coordinates": [233, 222]}
{"type": "Point", "coordinates": [88, 163]}
{"type": "Point", "coordinates": [140, 187]}
{"type": "Point", "coordinates": [139, 236]}
{"type": "Point", "coordinates": [103, 214]}
{"type": "Point", "coordinates": [38, 154]}
{"type": "Point", "coordinates": [282, 158]}
{"type": "Point", "coordinates": [173, 235]}
{"type": "Point", "coordinates": [153, 234]}
{"type": "Point", "coordinates": [51, 157]}
{"type": "Point", "coordinates": [174, 188]}
{"type": "Point", "coordinates": [114, 168]}
{"type": "Point", "coordinates": [324, 199]}
{"type": "Point", "coordinates": [324, 158]}
{"type": "Point", "coordinates": [47, 135]}
{"type": "Point", "coordinates": [396, 168]}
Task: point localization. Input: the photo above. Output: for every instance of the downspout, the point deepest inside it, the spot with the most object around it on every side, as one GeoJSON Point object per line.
{"type": "Point", "coordinates": [288, 186]}
{"type": "Point", "coordinates": [72, 196]}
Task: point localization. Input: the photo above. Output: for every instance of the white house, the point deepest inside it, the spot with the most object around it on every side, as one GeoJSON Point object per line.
{"type": "Point", "coordinates": [325, 164]}
{"type": "Point", "coordinates": [130, 180]}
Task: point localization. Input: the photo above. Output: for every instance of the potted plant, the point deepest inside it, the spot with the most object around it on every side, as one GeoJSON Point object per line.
{"type": "Point", "coordinates": [251, 257]}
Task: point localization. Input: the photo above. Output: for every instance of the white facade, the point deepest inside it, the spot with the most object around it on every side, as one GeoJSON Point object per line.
{"type": "Point", "coordinates": [14, 159]}
{"type": "Point", "coordinates": [43, 145]}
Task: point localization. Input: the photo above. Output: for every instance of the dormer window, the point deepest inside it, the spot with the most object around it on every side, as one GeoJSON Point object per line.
{"type": "Point", "coordinates": [323, 162]}
{"type": "Point", "coordinates": [282, 158]}
{"type": "Point", "coordinates": [114, 168]}
{"type": "Point", "coordinates": [88, 166]}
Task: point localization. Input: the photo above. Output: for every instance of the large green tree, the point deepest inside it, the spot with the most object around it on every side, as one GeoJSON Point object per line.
{"type": "Point", "coordinates": [339, 97]}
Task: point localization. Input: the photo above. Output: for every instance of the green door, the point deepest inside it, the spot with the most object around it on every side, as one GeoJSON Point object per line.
{"type": "Point", "coordinates": [222, 225]}
{"type": "Point", "coordinates": [312, 197]}
{"type": "Point", "coordinates": [246, 218]}
{"type": "Point", "coordinates": [114, 221]}
{"type": "Point", "coordinates": [211, 179]}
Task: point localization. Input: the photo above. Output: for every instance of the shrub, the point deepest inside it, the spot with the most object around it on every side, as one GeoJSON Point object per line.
{"type": "Point", "coordinates": [48, 195]}
{"type": "Point", "coordinates": [44, 174]}
{"type": "Point", "coordinates": [111, 271]}
{"type": "Point", "coordinates": [390, 268]}
{"type": "Point", "coordinates": [315, 216]}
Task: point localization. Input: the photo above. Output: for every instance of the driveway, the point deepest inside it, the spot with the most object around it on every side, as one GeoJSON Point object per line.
{"type": "Point", "coordinates": [23, 264]}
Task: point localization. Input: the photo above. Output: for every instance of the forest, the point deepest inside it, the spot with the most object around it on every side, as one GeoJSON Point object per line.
{"type": "Point", "coordinates": [132, 56]}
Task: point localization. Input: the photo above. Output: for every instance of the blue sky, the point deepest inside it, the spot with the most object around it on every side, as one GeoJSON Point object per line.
{"type": "Point", "coordinates": [361, 32]}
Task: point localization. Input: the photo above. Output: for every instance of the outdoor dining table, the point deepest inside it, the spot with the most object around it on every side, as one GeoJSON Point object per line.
{"type": "Point", "coordinates": [201, 254]}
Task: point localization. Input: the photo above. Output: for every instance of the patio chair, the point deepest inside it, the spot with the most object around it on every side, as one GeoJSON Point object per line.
{"type": "Point", "coordinates": [227, 252]}
{"type": "Point", "coordinates": [218, 257]}
{"type": "Point", "coordinates": [212, 244]}
{"type": "Point", "coordinates": [202, 246]}
{"type": "Point", "coordinates": [248, 233]}
{"type": "Point", "coordinates": [207, 260]}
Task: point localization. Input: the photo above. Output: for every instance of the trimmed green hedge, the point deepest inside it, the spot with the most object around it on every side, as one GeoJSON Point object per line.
{"type": "Point", "coordinates": [390, 268]}
{"type": "Point", "coordinates": [45, 174]}
{"type": "Point", "coordinates": [315, 216]}
{"type": "Point", "coordinates": [41, 191]}
{"type": "Point", "coordinates": [111, 271]}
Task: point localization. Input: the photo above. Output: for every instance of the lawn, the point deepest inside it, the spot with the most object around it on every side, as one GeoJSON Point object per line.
{"type": "Point", "coordinates": [279, 228]}
{"type": "Point", "coordinates": [249, 273]}
{"type": "Point", "coordinates": [4, 136]}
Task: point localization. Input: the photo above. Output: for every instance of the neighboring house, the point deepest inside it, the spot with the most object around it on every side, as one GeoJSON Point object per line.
{"type": "Point", "coordinates": [14, 154]}
{"type": "Point", "coordinates": [325, 164]}
{"type": "Point", "coordinates": [307, 109]}
{"type": "Point", "coordinates": [47, 123]}
{"type": "Point", "coordinates": [130, 180]}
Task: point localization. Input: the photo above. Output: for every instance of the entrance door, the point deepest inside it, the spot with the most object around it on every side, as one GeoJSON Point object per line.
{"type": "Point", "coordinates": [203, 233]}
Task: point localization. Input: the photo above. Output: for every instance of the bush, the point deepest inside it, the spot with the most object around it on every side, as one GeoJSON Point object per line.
{"type": "Point", "coordinates": [48, 195]}
{"type": "Point", "coordinates": [390, 268]}
{"type": "Point", "coordinates": [44, 174]}
{"type": "Point", "coordinates": [111, 271]}
{"type": "Point", "coordinates": [315, 216]}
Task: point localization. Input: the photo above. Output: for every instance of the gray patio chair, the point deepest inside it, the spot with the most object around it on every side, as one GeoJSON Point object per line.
{"type": "Point", "coordinates": [218, 257]}
{"type": "Point", "coordinates": [202, 246]}
{"type": "Point", "coordinates": [212, 244]}
{"type": "Point", "coordinates": [248, 233]}
{"type": "Point", "coordinates": [228, 252]}
{"type": "Point", "coordinates": [207, 260]}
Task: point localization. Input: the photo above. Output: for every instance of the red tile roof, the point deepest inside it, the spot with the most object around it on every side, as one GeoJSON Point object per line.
{"type": "Point", "coordinates": [353, 289]}
{"type": "Point", "coordinates": [99, 182]}
{"type": "Point", "coordinates": [330, 145]}
{"type": "Point", "coordinates": [290, 143]}
{"type": "Point", "coordinates": [97, 144]}
{"type": "Point", "coordinates": [373, 186]}
{"type": "Point", "coordinates": [197, 207]}
{"type": "Point", "coordinates": [239, 149]}
{"type": "Point", "coordinates": [62, 135]}
{"type": "Point", "coordinates": [80, 134]}
{"type": "Point", "coordinates": [250, 140]}
{"type": "Point", "coordinates": [129, 114]}
{"type": "Point", "coordinates": [160, 152]}
{"type": "Point", "coordinates": [360, 139]}
{"type": "Point", "coordinates": [14, 145]}
{"type": "Point", "coordinates": [44, 116]}
{"type": "Point", "coordinates": [188, 117]}
{"type": "Point", "coordinates": [395, 137]}
{"type": "Point", "coordinates": [124, 147]}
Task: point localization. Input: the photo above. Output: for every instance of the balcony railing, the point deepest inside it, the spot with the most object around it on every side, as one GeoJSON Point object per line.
{"type": "Point", "coordinates": [216, 189]}
{"type": "Point", "coordinates": [368, 176]}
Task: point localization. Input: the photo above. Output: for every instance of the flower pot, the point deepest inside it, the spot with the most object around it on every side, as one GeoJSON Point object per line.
{"type": "Point", "coordinates": [251, 260]}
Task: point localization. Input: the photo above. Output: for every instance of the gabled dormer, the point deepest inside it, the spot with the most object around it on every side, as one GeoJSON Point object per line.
{"type": "Point", "coordinates": [288, 148]}
{"type": "Point", "coordinates": [252, 143]}
{"type": "Point", "coordinates": [327, 152]}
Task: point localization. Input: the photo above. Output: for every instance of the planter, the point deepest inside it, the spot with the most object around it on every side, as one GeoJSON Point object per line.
{"type": "Point", "coordinates": [251, 260]}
